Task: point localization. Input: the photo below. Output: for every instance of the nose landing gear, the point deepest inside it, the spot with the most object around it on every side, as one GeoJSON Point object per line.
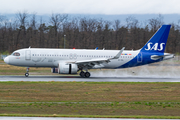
{"type": "Point", "coordinates": [27, 72]}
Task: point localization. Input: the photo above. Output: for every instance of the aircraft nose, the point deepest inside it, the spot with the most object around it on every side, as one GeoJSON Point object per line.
{"type": "Point", "coordinates": [6, 60]}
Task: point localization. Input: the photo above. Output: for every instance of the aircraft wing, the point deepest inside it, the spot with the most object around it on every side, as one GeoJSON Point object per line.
{"type": "Point", "coordinates": [92, 62]}
{"type": "Point", "coordinates": [100, 60]}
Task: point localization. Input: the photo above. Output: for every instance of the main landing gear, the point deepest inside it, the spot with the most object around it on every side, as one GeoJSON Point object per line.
{"type": "Point", "coordinates": [27, 72]}
{"type": "Point", "coordinates": [85, 74]}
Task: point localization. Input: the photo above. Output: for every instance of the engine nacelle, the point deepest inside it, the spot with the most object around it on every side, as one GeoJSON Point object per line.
{"type": "Point", "coordinates": [54, 70]}
{"type": "Point", "coordinates": [67, 68]}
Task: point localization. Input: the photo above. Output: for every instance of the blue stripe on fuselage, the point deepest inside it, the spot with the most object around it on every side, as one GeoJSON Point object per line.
{"type": "Point", "coordinates": [146, 59]}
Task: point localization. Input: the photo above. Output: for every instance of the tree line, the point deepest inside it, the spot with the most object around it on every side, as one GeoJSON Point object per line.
{"type": "Point", "coordinates": [81, 33]}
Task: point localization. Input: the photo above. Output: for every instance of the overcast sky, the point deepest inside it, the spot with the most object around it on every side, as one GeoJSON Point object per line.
{"type": "Point", "coordinates": [91, 6]}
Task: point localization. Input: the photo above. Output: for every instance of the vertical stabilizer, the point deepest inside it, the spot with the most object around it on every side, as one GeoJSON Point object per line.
{"type": "Point", "coordinates": [158, 42]}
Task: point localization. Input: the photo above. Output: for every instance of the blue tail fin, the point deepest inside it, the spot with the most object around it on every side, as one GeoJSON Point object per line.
{"type": "Point", "coordinates": [158, 42]}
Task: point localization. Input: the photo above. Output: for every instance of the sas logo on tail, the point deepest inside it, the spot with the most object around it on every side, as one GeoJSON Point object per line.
{"type": "Point", "coordinates": [155, 46]}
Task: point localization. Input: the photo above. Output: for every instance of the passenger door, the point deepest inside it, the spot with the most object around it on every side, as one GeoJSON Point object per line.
{"type": "Point", "coordinates": [28, 55]}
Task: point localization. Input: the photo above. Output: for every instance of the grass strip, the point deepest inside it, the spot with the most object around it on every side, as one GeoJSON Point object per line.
{"type": "Point", "coordinates": [90, 98]}
{"type": "Point", "coordinates": [22, 91]}
{"type": "Point", "coordinates": [114, 108]}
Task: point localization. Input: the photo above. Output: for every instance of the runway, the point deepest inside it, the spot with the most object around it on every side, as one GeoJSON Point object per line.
{"type": "Point", "coordinates": [91, 79]}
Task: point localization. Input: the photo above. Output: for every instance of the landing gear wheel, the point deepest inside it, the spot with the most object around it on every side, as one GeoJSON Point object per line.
{"type": "Point", "coordinates": [26, 74]}
{"type": "Point", "coordinates": [87, 74]}
{"type": "Point", "coordinates": [82, 74]}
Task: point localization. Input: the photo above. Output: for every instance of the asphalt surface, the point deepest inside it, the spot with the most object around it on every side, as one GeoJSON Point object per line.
{"type": "Point", "coordinates": [91, 79]}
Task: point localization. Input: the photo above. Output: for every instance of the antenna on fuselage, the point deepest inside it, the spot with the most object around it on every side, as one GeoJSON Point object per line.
{"type": "Point", "coordinates": [29, 47]}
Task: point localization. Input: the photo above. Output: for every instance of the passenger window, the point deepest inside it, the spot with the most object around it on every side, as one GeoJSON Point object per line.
{"type": "Point", "coordinates": [16, 54]}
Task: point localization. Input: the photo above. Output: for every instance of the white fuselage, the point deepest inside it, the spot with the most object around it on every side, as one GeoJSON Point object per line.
{"type": "Point", "coordinates": [37, 57]}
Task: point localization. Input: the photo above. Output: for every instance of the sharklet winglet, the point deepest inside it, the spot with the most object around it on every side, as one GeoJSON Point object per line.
{"type": "Point", "coordinates": [119, 54]}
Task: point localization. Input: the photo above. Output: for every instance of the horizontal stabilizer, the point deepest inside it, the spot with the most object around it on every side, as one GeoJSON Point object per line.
{"type": "Point", "coordinates": [165, 56]}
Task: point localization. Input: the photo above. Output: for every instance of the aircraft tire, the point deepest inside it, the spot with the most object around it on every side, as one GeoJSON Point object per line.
{"type": "Point", "coordinates": [26, 74]}
{"type": "Point", "coordinates": [87, 74]}
{"type": "Point", "coordinates": [82, 74]}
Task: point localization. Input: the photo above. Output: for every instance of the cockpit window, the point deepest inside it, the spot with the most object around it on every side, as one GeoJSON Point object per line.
{"type": "Point", "coordinates": [16, 54]}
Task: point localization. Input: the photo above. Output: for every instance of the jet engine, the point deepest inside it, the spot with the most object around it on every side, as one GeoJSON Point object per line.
{"type": "Point", "coordinates": [67, 68]}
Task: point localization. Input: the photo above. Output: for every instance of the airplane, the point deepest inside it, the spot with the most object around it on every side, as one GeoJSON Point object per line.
{"type": "Point", "coordinates": [70, 61]}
